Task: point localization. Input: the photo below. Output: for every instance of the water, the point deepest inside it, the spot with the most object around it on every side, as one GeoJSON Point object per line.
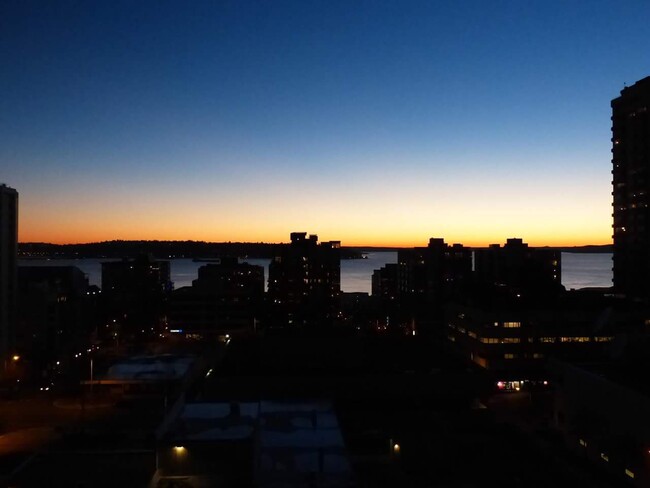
{"type": "Point", "coordinates": [586, 270]}
{"type": "Point", "coordinates": [578, 270]}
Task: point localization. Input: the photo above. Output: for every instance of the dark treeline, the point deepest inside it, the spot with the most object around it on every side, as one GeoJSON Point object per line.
{"type": "Point", "coordinates": [158, 249]}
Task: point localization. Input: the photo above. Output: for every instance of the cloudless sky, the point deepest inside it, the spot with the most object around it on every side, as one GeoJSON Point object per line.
{"type": "Point", "coordinates": [369, 122]}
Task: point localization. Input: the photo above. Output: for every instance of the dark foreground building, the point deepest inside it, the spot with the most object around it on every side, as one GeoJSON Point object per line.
{"type": "Point", "coordinates": [631, 181]}
{"type": "Point", "coordinates": [57, 313]}
{"type": "Point", "coordinates": [227, 297]}
{"type": "Point", "coordinates": [305, 282]}
{"type": "Point", "coordinates": [520, 268]}
{"type": "Point", "coordinates": [134, 291]}
{"type": "Point", "coordinates": [8, 256]}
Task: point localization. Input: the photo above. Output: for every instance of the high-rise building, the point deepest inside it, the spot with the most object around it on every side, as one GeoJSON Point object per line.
{"type": "Point", "coordinates": [305, 282]}
{"type": "Point", "coordinates": [134, 291]}
{"type": "Point", "coordinates": [631, 181]}
{"type": "Point", "coordinates": [519, 267]}
{"type": "Point", "coordinates": [228, 297]}
{"type": "Point", "coordinates": [8, 268]}
{"type": "Point", "coordinates": [56, 313]}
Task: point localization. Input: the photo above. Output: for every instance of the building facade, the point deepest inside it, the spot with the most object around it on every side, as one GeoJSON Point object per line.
{"type": "Point", "coordinates": [631, 190]}
{"type": "Point", "coordinates": [519, 267]}
{"type": "Point", "coordinates": [57, 313]}
{"type": "Point", "coordinates": [227, 297]}
{"type": "Point", "coordinates": [134, 292]}
{"type": "Point", "coordinates": [8, 269]}
{"type": "Point", "coordinates": [305, 282]}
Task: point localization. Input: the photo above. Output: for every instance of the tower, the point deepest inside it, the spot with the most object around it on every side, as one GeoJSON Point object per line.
{"type": "Point", "coordinates": [631, 189]}
{"type": "Point", "coordinates": [305, 282]}
{"type": "Point", "coordinates": [8, 268]}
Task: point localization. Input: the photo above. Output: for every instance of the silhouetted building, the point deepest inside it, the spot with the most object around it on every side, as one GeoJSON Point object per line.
{"type": "Point", "coordinates": [8, 267]}
{"type": "Point", "coordinates": [134, 291]}
{"type": "Point", "coordinates": [305, 282]}
{"type": "Point", "coordinates": [263, 443]}
{"type": "Point", "coordinates": [227, 297]}
{"type": "Point", "coordinates": [385, 283]}
{"type": "Point", "coordinates": [514, 337]}
{"type": "Point", "coordinates": [56, 314]}
{"type": "Point", "coordinates": [428, 277]}
{"type": "Point", "coordinates": [519, 267]}
{"type": "Point", "coordinates": [631, 192]}
{"type": "Point", "coordinates": [436, 272]}
{"type": "Point", "coordinates": [602, 413]}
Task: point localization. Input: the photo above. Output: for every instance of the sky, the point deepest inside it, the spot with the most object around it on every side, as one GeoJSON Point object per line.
{"type": "Point", "coordinates": [369, 122]}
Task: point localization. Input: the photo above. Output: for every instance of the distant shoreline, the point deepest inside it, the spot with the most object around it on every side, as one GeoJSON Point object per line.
{"type": "Point", "coordinates": [210, 250]}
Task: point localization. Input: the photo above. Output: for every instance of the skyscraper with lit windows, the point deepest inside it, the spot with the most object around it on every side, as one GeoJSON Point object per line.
{"type": "Point", "coordinates": [305, 282]}
{"type": "Point", "coordinates": [631, 187]}
{"type": "Point", "coordinates": [8, 268]}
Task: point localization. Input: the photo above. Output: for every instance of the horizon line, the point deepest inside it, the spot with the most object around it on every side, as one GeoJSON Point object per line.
{"type": "Point", "coordinates": [401, 246]}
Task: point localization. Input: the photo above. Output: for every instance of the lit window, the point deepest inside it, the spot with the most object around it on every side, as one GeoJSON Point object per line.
{"type": "Point", "coordinates": [509, 356]}
{"type": "Point", "coordinates": [604, 457]}
{"type": "Point", "coordinates": [511, 325]}
{"type": "Point", "coordinates": [574, 339]}
{"type": "Point", "coordinates": [629, 473]}
{"type": "Point", "coordinates": [489, 340]}
{"type": "Point", "coordinates": [603, 339]}
{"type": "Point", "coordinates": [547, 339]}
{"type": "Point", "coordinates": [583, 443]}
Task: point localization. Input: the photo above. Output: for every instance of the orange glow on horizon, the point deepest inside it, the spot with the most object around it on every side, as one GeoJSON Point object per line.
{"type": "Point", "coordinates": [407, 219]}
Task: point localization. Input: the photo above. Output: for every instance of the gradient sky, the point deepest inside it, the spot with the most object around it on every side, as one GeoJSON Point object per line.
{"type": "Point", "coordinates": [369, 122]}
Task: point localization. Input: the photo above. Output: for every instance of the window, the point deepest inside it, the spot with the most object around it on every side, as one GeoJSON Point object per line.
{"type": "Point", "coordinates": [511, 325]}
{"type": "Point", "coordinates": [574, 339]}
{"type": "Point", "coordinates": [547, 339]}
{"type": "Point", "coordinates": [509, 356]}
{"type": "Point", "coordinates": [603, 339]}
{"type": "Point", "coordinates": [489, 340]}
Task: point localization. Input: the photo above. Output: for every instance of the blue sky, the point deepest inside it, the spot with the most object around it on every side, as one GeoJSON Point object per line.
{"type": "Point", "coordinates": [368, 122]}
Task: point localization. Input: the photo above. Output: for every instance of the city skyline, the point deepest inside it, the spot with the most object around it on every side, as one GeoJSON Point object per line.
{"type": "Point", "coordinates": [376, 124]}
